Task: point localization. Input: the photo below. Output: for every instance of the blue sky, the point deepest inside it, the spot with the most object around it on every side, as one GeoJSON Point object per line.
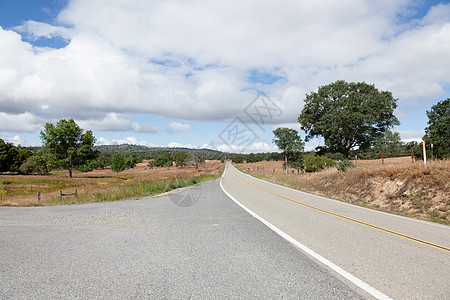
{"type": "Point", "coordinates": [182, 73]}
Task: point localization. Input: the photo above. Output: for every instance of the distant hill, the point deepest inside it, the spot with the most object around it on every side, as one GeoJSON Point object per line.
{"type": "Point", "coordinates": [127, 148]}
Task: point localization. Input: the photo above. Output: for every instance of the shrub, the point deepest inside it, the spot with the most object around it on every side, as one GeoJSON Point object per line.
{"type": "Point", "coordinates": [34, 165]}
{"type": "Point", "coordinates": [344, 165]}
{"type": "Point", "coordinates": [314, 163]}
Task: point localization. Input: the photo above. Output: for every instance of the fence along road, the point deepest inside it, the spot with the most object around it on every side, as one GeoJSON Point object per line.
{"type": "Point", "coordinates": [394, 256]}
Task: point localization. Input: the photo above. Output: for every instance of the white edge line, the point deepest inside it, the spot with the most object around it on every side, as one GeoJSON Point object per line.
{"type": "Point", "coordinates": [358, 282]}
{"type": "Point", "coordinates": [345, 203]}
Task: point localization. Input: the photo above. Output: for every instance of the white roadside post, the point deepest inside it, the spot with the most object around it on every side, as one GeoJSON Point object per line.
{"type": "Point", "coordinates": [424, 154]}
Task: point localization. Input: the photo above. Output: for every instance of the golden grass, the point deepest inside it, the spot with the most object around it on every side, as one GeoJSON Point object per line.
{"type": "Point", "coordinates": [400, 186]}
{"type": "Point", "coordinates": [101, 185]}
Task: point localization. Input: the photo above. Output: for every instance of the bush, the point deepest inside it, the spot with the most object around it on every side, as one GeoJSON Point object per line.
{"type": "Point", "coordinates": [344, 165]}
{"type": "Point", "coordinates": [34, 165]}
{"type": "Point", "coordinates": [314, 163]}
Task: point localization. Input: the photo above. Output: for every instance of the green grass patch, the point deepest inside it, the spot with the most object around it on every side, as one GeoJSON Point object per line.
{"type": "Point", "coordinates": [133, 190]}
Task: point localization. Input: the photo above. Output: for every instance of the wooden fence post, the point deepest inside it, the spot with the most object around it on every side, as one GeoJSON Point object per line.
{"type": "Point", "coordinates": [39, 197]}
{"type": "Point", "coordinates": [60, 195]}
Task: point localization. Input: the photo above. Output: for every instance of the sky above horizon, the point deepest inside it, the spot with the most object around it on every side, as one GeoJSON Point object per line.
{"type": "Point", "coordinates": [211, 74]}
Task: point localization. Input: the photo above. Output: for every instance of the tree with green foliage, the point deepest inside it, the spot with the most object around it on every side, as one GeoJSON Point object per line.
{"type": "Point", "coordinates": [117, 163]}
{"type": "Point", "coordinates": [68, 145]}
{"type": "Point", "coordinates": [131, 161]}
{"type": "Point", "coordinates": [348, 115]}
{"type": "Point", "coordinates": [288, 141]}
{"type": "Point", "coordinates": [390, 143]}
{"type": "Point", "coordinates": [438, 130]}
{"type": "Point", "coordinates": [237, 158]}
{"type": "Point", "coordinates": [34, 164]}
{"type": "Point", "coordinates": [163, 160]}
{"type": "Point", "coordinates": [180, 158]}
{"type": "Point", "coordinates": [11, 157]}
{"type": "Point", "coordinates": [316, 163]}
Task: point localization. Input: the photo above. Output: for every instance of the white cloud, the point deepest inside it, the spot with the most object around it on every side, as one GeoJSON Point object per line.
{"type": "Point", "coordinates": [256, 147]}
{"type": "Point", "coordinates": [295, 126]}
{"type": "Point", "coordinates": [25, 122]}
{"type": "Point", "coordinates": [147, 128]}
{"type": "Point", "coordinates": [178, 145]}
{"type": "Point", "coordinates": [411, 135]}
{"type": "Point", "coordinates": [18, 140]}
{"type": "Point", "coordinates": [190, 60]}
{"type": "Point", "coordinates": [131, 140]}
{"type": "Point", "coordinates": [110, 122]}
{"type": "Point", "coordinates": [36, 30]}
{"type": "Point", "coordinates": [176, 127]}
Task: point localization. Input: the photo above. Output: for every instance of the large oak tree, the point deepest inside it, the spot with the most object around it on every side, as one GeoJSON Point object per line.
{"type": "Point", "coordinates": [67, 145]}
{"type": "Point", "coordinates": [347, 115]}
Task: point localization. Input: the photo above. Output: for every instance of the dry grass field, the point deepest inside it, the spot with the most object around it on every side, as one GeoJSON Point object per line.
{"type": "Point", "coordinates": [397, 186]}
{"type": "Point", "coordinates": [21, 190]}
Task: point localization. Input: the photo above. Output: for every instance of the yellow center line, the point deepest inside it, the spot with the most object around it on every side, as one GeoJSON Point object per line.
{"type": "Point", "coordinates": [350, 219]}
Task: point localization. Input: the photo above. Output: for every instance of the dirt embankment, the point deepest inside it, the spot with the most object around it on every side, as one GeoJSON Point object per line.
{"type": "Point", "coordinates": [397, 186]}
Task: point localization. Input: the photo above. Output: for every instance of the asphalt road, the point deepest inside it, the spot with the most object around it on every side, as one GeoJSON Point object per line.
{"type": "Point", "coordinates": [206, 247]}
{"type": "Point", "coordinates": [398, 267]}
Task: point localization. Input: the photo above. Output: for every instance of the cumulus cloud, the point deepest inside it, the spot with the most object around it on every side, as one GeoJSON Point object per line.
{"type": "Point", "coordinates": [110, 122]}
{"type": "Point", "coordinates": [35, 30]}
{"type": "Point", "coordinates": [179, 145]}
{"type": "Point", "coordinates": [166, 58]}
{"type": "Point", "coordinates": [256, 147]}
{"type": "Point", "coordinates": [147, 128]}
{"type": "Point", "coordinates": [18, 140]}
{"type": "Point", "coordinates": [25, 122]}
{"type": "Point", "coordinates": [411, 135]}
{"type": "Point", "coordinates": [176, 127]}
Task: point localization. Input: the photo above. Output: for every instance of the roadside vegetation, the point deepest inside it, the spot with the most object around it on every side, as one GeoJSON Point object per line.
{"type": "Point", "coordinates": [131, 190]}
{"type": "Point", "coordinates": [398, 186]}
{"type": "Point", "coordinates": [102, 185]}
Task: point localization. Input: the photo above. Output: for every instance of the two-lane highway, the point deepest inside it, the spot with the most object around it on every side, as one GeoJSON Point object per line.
{"type": "Point", "coordinates": [159, 249]}
{"type": "Point", "coordinates": [399, 257]}
{"type": "Point", "coordinates": [154, 249]}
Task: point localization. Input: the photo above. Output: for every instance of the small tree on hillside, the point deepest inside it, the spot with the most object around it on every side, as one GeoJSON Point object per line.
{"type": "Point", "coordinates": [131, 161]}
{"type": "Point", "coordinates": [68, 145]}
{"type": "Point", "coordinates": [117, 163]}
{"type": "Point", "coordinates": [288, 141]}
{"type": "Point", "coordinates": [196, 157]}
{"type": "Point", "coordinates": [438, 130]}
{"type": "Point", "coordinates": [180, 158]}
